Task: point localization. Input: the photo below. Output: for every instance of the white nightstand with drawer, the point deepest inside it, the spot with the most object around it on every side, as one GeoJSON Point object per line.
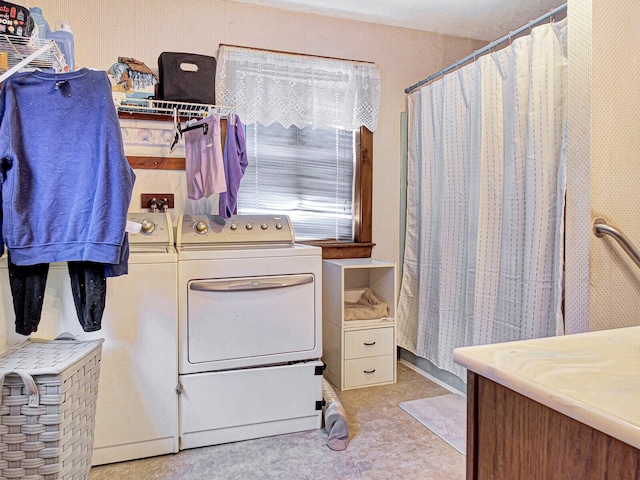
{"type": "Point", "coordinates": [358, 352]}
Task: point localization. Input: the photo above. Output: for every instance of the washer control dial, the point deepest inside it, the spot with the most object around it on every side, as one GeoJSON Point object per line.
{"type": "Point", "coordinates": [264, 226]}
{"type": "Point", "coordinates": [147, 226]}
{"type": "Point", "coordinates": [249, 226]}
{"type": "Point", "coordinates": [201, 227]}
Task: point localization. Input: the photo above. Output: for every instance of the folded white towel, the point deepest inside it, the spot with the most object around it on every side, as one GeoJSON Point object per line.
{"type": "Point", "coordinates": [368, 307]}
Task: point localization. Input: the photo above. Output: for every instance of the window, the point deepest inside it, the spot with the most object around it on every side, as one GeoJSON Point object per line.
{"type": "Point", "coordinates": [305, 94]}
{"type": "Point", "coordinates": [309, 174]}
{"type": "Point", "coordinates": [362, 193]}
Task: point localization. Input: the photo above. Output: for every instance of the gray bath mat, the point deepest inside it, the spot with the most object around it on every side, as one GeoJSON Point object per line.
{"type": "Point", "coordinates": [445, 415]}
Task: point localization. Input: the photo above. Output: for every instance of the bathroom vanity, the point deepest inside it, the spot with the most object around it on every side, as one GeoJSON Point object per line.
{"type": "Point", "coordinates": [563, 407]}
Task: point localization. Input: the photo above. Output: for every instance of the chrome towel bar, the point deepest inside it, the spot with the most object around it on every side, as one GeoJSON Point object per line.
{"type": "Point", "coordinates": [601, 228]}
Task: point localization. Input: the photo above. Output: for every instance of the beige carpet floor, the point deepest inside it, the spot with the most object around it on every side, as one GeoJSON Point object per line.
{"type": "Point", "coordinates": [385, 443]}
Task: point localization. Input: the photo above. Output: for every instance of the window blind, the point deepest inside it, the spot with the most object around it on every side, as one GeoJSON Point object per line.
{"type": "Point", "coordinates": [305, 173]}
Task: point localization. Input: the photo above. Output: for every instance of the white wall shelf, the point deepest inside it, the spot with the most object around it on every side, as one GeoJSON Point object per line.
{"type": "Point", "coordinates": [167, 108]}
{"type": "Point", "coordinates": [358, 353]}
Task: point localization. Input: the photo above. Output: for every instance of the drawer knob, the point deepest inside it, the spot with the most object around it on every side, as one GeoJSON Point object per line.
{"type": "Point", "coordinates": [369, 344]}
{"type": "Point", "coordinates": [369, 372]}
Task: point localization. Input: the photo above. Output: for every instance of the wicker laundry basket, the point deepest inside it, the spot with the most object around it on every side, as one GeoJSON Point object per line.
{"type": "Point", "coordinates": [47, 414]}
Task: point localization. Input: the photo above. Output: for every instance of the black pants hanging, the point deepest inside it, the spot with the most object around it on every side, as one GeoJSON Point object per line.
{"type": "Point", "coordinates": [88, 286]}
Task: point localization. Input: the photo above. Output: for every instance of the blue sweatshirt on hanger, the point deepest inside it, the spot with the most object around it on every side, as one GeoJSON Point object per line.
{"type": "Point", "coordinates": [66, 183]}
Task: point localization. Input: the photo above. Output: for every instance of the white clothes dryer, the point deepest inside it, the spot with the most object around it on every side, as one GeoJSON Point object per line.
{"type": "Point", "coordinates": [250, 328]}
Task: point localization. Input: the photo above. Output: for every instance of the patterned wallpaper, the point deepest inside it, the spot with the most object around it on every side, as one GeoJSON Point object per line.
{"type": "Point", "coordinates": [614, 298]}
{"type": "Point", "coordinates": [603, 284]}
{"type": "Point", "coordinates": [577, 230]}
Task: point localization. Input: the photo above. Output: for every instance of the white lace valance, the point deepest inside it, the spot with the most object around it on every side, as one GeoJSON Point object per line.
{"type": "Point", "coordinates": [298, 90]}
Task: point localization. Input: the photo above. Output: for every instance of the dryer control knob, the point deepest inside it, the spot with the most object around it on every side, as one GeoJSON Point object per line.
{"type": "Point", "coordinates": [264, 226]}
{"type": "Point", "coordinates": [147, 226]}
{"type": "Point", "coordinates": [278, 226]}
{"type": "Point", "coordinates": [233, 226]}
{"type": "Point", "coordinates": [249, 226]}
{"type": "Point", "coordinates": [201, 227]}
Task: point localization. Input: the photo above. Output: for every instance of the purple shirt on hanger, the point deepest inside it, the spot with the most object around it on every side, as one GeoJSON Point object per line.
{"type": "Point", "coordinates": [235, 163]}
{"type": "Point", "coordinates": [203, 162]}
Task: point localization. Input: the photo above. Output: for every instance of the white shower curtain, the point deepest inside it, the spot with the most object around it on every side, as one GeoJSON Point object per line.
{"type": "Point", "coordinates": [485, 201]}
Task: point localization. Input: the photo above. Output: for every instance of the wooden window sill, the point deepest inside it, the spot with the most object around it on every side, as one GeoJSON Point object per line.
{"type": "Point", "coordinates": [337, 250]}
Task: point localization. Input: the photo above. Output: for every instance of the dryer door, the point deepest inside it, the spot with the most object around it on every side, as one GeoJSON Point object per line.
{"type": "Point", "coordinates": [250, 321]}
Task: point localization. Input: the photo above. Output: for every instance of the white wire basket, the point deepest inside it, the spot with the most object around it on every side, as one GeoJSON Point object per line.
{"type": "Point", "coordinates": [165, 107]}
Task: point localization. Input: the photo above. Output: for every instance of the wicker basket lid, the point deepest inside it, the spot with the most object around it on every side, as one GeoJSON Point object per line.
{"type": "Point", "coordinates": [46, 357]}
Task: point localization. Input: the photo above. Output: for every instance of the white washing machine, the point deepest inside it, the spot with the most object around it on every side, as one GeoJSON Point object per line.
{"type": "Point", "coordinates": [137, 406]}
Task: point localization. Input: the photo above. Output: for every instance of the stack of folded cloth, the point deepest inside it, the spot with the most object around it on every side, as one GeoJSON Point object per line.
{"type": "Point", "coordinates": [131, 74]}
{"type": "Point", "coordinates": [368, 307]}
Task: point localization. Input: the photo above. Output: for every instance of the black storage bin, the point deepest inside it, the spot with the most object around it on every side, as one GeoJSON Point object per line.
{"type": "Point", "coordinates": [186, 77]}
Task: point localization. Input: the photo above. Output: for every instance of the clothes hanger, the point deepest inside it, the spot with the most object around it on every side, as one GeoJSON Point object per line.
{"type": "Point", "coordinates": [203, 126]}
{"type": "Point", "coordinates": [178, 129]}
{"type": "Point", "coordinates": [177, 134]}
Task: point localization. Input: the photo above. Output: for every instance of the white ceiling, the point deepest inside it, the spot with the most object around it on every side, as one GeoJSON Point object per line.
{"type": "Point", "coordinates": [479, 19]}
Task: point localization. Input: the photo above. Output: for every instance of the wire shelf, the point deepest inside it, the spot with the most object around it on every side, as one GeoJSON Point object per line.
{"type": "Point", "coordinates": [165, 107]}
{"type": "Point", "coordinates": [27, 52]}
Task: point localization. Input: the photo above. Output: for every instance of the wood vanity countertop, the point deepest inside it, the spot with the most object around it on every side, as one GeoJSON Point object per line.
{"type": "Point", "coordinates": [592, 377]}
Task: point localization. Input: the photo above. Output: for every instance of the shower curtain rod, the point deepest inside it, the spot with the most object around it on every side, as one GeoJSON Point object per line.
{"type": "Point", "coordinates": [488, 47]}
